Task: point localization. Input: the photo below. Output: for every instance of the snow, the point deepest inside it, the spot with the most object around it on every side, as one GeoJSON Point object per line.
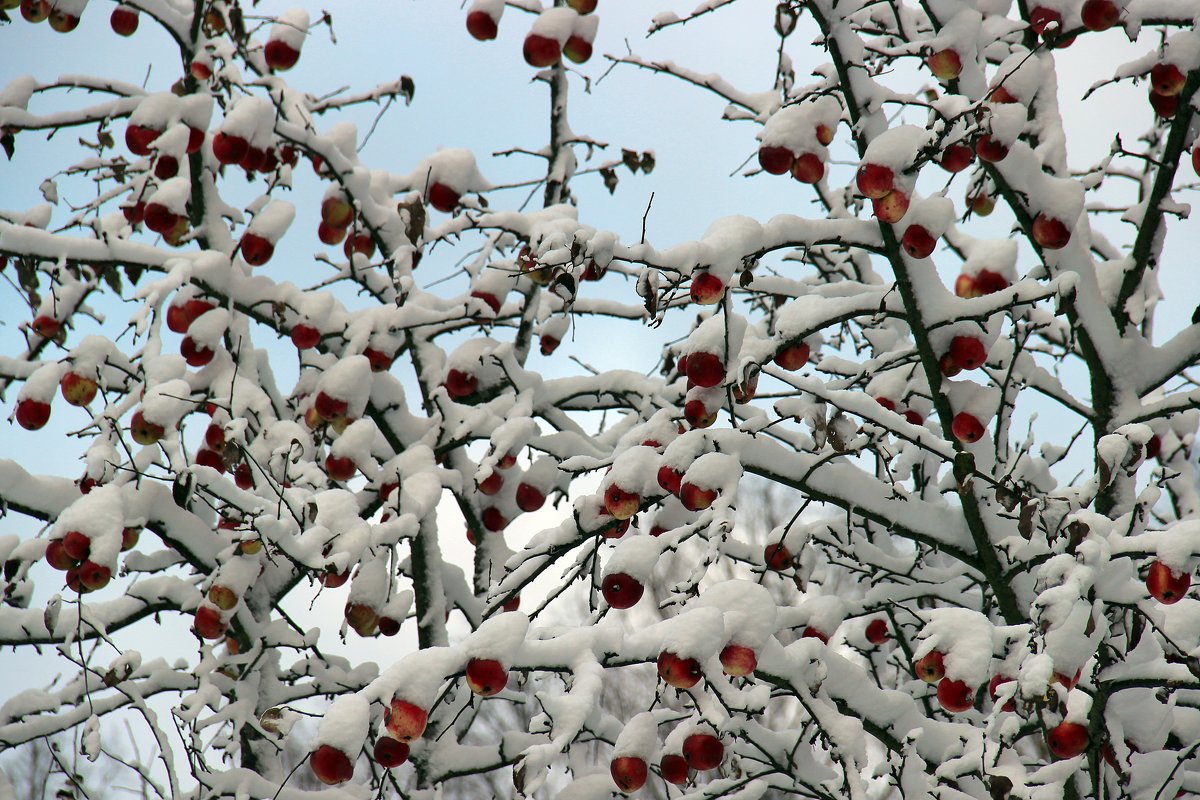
{"type": "Point", "coordinates": [636, 556]}
{"type": "Point", "coordinates": [290, 28]}
{"type": "Point", "coordinates": [749, 610]}
{"type": "Point", "coordinates": [273, 221]}
{"type": "Point", "coordinates": [345, 723]}
{"type": "Point", "coordinates": [965, 639]}
{"type": "Point", "coordinates": [639, 737]}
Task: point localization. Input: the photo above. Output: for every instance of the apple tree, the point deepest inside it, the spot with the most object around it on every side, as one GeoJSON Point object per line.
{"type": "Point", "coordinates": [955, 370]}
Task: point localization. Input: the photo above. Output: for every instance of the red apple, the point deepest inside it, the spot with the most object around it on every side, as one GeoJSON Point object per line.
{"type": "Point", "coordinates": [1165, 585]}
{"type": "Point", "coordinates": [492, 483]}
{"type": "Point", "coordinates": [1154, 446]}
{"type": "Point", "coordinates": [698, 415]}
{"type": "Point", "coordinates": [76, 545]}
{"type": "Point", "coordinates": [161, 219]}
{"type": "Point", "coordinates": [1040, 18]}
{"type": "Point", "coordinates": [577, 49]}
{"type": "Point", "coordinates": [489, 299]}
{"type": "Point", "coordinates": [486, 677]}
{"type": "Point", "coordinates": [629, 773]}
{"type": "Point", "coordinates": [615, 531]}
{"type": "Point", "coordinates": [1164, 105]}
{"type": "Point", "coordinates": [706, 290]}
{"type": "Point", "coordinates": [130, 536]}
{"type": "Point", "coordinates": [674, 769]}
{"type": "Point", "coordinates": [981, 204]}
{"type": "Point", "coordinates": [442, 197]}
{"type": "Point", "coordinates": [808, 168]}
{"type": "Point", "coordinates": [793, 356]}
{"type": "Point", "coordinates": [195, 140]}
{"type": "Point", "coordinates": [583, 6]}
{"type": "Point", "coordinates": [811, 632]}
{"type": "Point", "coordinates": [332, 579]}
{"type": "Point", "coordinates": [362, 618]}
{"type": "Point", "coordinates": [482, 26]}
{"type": "Point", "coordinates": [253, 159]}
{"type": "Point", "coordinates": [703, 751]}
{"type": "Point", "coordinates": [891, 207]}
{"type": "Point", "coordinates": [966, 428]}
{"type": "Point", "coordinates": [988, 282]}
{"type": "Point", "coordinates": [705, 369]}
{"type": "Point", "coordinates": [195, 354]}
{"type": "Point", "coordinates": [330, 407]}
{"type": "Point", "coordinates": [541, 51]}
{"type": "Point", "coordinates": [222, 597]}
{"type": "Point", "coordinates": [181, 316]}
{"type": "Point", "coordinates": [877, 631]}
{"type": "Point", "coordinates": [460, 384]}
{"type": "Point", "coordinates": [493, 519]}
{"type": "Point", "coordinates": [144, 431]}
{"type": "Point", "coordinates": [166, 167]}
{"type": "Point", "coordinates": [620, 503]}
{"type": "Point", "coordinates": [330, 765]}
{"type": "Point", "coordinates": [994, 691]}
{"type": "Point", "coordinates": [340, 468]}
{"type": "Point", "coordinates": [738, 660]}
{"type": "Point", "coordinates": [406, 721]}
{"type": "Point", "coordinates": [955, 696]}
{"type": "Point", "coordinates": [875, 181]}
{"type": "Point", "coordinates": [379, 360]}
{"type": "Point", "coordinates": [57, 557]}
{"type": "Point", "coordinates": [529, 498]}
{"type": "Point", "coordinates": [32, 414]}
{"type": "Point", "coordinates": [886, 402]}
{"type": "Point", "coordinates": [931, 667]}
{"type": "Point", "coordinates": [682, 673]}
{"type": "Point", "coordinates": [948, 365]}
{"type": "Point", "coordinates": [94, 576]}
{"type": "Point", "coordinates": [968, 352]}
{"type": "Point", "coordinates": [777, 557]}
{"type": "Point", "coordinates": [918, 242]}
{"type": "Point", "coordinates": [124, 20]}
{"type": "Point", "coordinates": [775, 160]}
{"type": "Point", "coordinates": [138, 139]}
{"type": "Point", "coordinates": [305, 337]}
{"type": "Point", "coordinates": [389, 626]}
{"type": "Point", "coordinates": [824, 133]}
{"type": "Point", "coordinates": [206, 457]}
{"type": "Point", "coordinates": [1067, 739]}
{"type": "Point", "coordinates": [945, 64]}
{"type": "Point", "coordinates": [913, 417]}
{"type": "Point", "coordinates": [208, 623]}
{"type": "Point", "coordinates": [990, 150]}
{"type": "Point", "coordinates": [280, 55]}
{"type": "Point", "coordinates": [62, 21]}
{"type": "Point", "coordinates": [1099, 15]}
{"type": "Point", "coordinates": [134, 213]}
{"type": "Point", "coordinates": [1167, 79]}
{"type": "Point", "coordinates": [547, 344]}
{"type": "Point", "coordinates": [229, 149]}
{"type": "Point", "coordinates": [621, 591]}
{"type": "Point", "coordinates": [956, 158]}
{"type": "Point", "coordinates": [696, 498]}
{"type": "Point", "coordinates": [670, 479]}
{"type": "Point", "coordinates": [1050, 233]}
{"type": "Point", "coordinates": [337, 211]}
{"type": "Point", "coordinates": [256, 250]}
{"type": "Point", "coordinates": [46, 326]}
{"type": "Point", "coordinates": [389, 752]}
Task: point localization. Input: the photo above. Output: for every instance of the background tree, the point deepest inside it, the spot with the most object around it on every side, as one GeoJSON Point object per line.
{"type": "Point", "coordinates": [947, 598]}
